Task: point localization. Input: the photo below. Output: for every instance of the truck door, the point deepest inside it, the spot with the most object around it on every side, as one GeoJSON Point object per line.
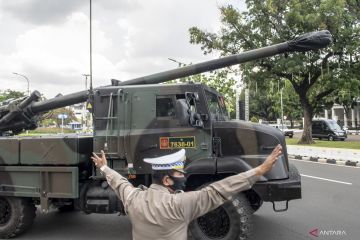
{"type": "Point", "coordinates": [156, 130]}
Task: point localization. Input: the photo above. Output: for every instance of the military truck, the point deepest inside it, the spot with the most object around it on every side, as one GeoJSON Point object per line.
{"type": "Point", "coordinates": [143, 118]}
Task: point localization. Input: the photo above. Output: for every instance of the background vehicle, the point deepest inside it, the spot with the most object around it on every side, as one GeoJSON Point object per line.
{"type": "Point", "coordinates": [284, 129]}
{"type": "Point", "coordinates": [328, 129]}
{"type": "Point", "coordinates": [136, 119]}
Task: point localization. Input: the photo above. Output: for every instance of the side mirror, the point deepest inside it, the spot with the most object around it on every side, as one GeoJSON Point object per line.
{"type": "Point", "coordinates": [195, 119]}
{"type": "Point", "coordinates": [182, 114]}
{"type": "Point", "coordinates": [192, 96]}
{"type": "Point", "coordinates": [186, 116]}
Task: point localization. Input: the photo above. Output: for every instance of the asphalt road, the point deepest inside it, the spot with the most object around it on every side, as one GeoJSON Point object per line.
{"type": "Point", "coordinates": [326, 205]}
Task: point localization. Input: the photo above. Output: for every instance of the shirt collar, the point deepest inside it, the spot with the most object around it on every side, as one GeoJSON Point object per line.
{"type": "Point", "coordinates": [159, 188]}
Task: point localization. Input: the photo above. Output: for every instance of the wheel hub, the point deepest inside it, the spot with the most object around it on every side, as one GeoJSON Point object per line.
{"type": "Point", "coordinates": [5, 211]}
{"type": "Point", "coordinates": [215, 224]}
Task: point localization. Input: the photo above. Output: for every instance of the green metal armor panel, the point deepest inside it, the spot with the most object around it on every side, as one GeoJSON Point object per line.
{"type": "Point", "coordinates": [55, 150]}
{"type": "Point", "coordinates": [9, 151]}
{"type": "Point", "coordinates": [49, 182]}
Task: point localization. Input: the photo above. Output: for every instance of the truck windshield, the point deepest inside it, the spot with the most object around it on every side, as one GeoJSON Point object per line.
{"type": "Point", "coordinates": [216, 106]}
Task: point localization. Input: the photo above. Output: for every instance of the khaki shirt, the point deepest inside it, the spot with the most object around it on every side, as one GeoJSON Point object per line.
{"type": "Point", "coordinates": [155, 213]}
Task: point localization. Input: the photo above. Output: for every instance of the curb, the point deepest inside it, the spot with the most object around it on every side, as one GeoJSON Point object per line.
{"type": "Point", "coordinates": [326, 160]}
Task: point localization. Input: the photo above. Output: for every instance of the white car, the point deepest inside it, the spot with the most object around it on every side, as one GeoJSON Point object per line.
{"type": "Point", "coordinates": [284, 129]}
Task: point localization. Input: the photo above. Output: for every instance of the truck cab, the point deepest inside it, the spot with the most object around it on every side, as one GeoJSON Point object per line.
{"type": "Point", "coordinates": [154, 120]}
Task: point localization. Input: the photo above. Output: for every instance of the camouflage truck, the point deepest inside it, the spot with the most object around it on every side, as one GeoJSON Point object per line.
{"type": "Point", "coordinates": [142, 118]}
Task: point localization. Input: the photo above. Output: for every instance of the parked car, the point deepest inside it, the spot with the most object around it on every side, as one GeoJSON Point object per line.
{"type": "Point", "coordinates": [328, 129]}
{"type": "Point", "coordinates": [284, 129]}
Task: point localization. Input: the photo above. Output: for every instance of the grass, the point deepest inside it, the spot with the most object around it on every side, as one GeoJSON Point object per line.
{"type": "Point", "coordinates": [329, 144]}
{"type": "Point", "coordinates": [46, 131]}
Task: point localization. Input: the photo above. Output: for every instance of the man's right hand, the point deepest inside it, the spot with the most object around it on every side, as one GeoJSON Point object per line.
{"type": "Point", "coordinates": [269, 162]}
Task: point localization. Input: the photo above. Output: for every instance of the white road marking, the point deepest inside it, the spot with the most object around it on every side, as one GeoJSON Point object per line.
{"type": "Point", "coordinates": [326, 179]}
{"type": "Point", "coordinates": [329, 164]}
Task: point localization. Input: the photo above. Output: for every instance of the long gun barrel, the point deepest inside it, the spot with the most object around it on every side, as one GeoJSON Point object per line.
{"type": "Point", "coordinates": [24, 114]}
{"type": "Point", "coordinates": [59, 102]}
{"type": "Point", "coordinates": [303, 43]}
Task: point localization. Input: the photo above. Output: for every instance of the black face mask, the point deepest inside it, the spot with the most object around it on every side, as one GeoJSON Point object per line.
{"type": "Point", "coordinates": [179, 183]}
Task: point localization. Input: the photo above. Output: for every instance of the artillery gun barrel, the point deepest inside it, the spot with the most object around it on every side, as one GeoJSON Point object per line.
{"type": "Point", "coordinates": [23, 114]}
{"type": "Point", "coordinates": [59, 102]}
{"type": "Point", "coordinates": [14, 109]}
{"type": "Point", "coordinates": [306, 42]}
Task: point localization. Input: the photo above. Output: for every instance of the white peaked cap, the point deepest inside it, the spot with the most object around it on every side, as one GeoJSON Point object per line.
{"type": "Point", "coordinates": [173, 161]}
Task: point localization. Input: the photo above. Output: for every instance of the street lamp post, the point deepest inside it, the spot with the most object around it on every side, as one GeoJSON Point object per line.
{"type": "Point", "coordinates": [28, 83]}
{"type": "Point", "coordinates": [181, 64]}
{"type": "Point", "coordinates": [86, 79]}
{"type": "Point", "coordinates": [84, 112]}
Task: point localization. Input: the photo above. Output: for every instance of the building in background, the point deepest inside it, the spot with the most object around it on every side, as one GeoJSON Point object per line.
{"type": "Point", "coordinates": [350, 120]}
{"type": "Point", "coordinates": [84, 120]}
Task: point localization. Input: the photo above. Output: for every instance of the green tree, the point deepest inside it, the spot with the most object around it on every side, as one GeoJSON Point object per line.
{"type": "Point", "coordinates": [220, 81]}
{"type": "Point", "coordinates": [53, 116]}
{"type": "Point", "coordinates": [316, 77]}
{"type": "Point", "coordinates": [8, 94]}
{"type": "Point", "coordinates": [265, 101]}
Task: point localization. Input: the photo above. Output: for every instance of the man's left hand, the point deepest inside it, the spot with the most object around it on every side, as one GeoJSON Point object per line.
{"type": "Point", "coordinates": [99, 161]}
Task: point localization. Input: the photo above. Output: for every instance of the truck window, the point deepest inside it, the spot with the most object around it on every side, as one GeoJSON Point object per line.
{"type": "Point", "coordinates": [165, 106]}
{"type": "Point", "coordinates": [216, 105]}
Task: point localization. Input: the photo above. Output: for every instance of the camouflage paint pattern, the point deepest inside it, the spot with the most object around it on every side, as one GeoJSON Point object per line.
{"type": "Point", "coordinates": [135, 134]}
{"type": "Point", "coordinates": [67, 150]}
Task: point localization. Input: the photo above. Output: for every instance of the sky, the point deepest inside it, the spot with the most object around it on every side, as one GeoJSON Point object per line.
{"type": "Point", "coordinates": [48, 40]}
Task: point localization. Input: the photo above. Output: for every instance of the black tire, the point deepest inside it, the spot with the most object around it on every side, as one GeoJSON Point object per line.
{"type": "Point", "coordinates": [290, 136]}
{"type": "Point", "coordinates": [331, 138]}
{"type": "Point", "coordinates": [16, 216]}
{"type": "Point", "coordinates": [255, 202]}
{"type": "Point", "coordinates": [230, 221]}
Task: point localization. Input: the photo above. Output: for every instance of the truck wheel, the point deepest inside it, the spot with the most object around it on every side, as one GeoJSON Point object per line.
{"type": "Point", "coordinates": [331, 138]}
{"type": "Point", "coordinates": [255, 202]}
{"type": "Point", "coordinates": [230, 221]}
{"type": "Point", "coordinates": [16, 216]}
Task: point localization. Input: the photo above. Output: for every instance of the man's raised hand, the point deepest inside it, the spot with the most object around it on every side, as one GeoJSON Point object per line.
{"type": "Point", "coordinates": [99, 161]}
{"type": "Point", "coordinates": [269, 162]}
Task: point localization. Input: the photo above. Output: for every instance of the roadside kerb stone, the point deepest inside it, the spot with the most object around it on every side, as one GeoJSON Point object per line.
{"type": "Point", "coordinates": [331, 161]}
{"type": "Point", "coordinates": [350, 163]}
{"type": "Point", "coordinates": [322, 152]}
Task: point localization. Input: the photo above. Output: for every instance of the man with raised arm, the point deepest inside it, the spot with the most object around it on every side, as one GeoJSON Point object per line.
{"type": "Point", "coordinates": [163, 211]}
